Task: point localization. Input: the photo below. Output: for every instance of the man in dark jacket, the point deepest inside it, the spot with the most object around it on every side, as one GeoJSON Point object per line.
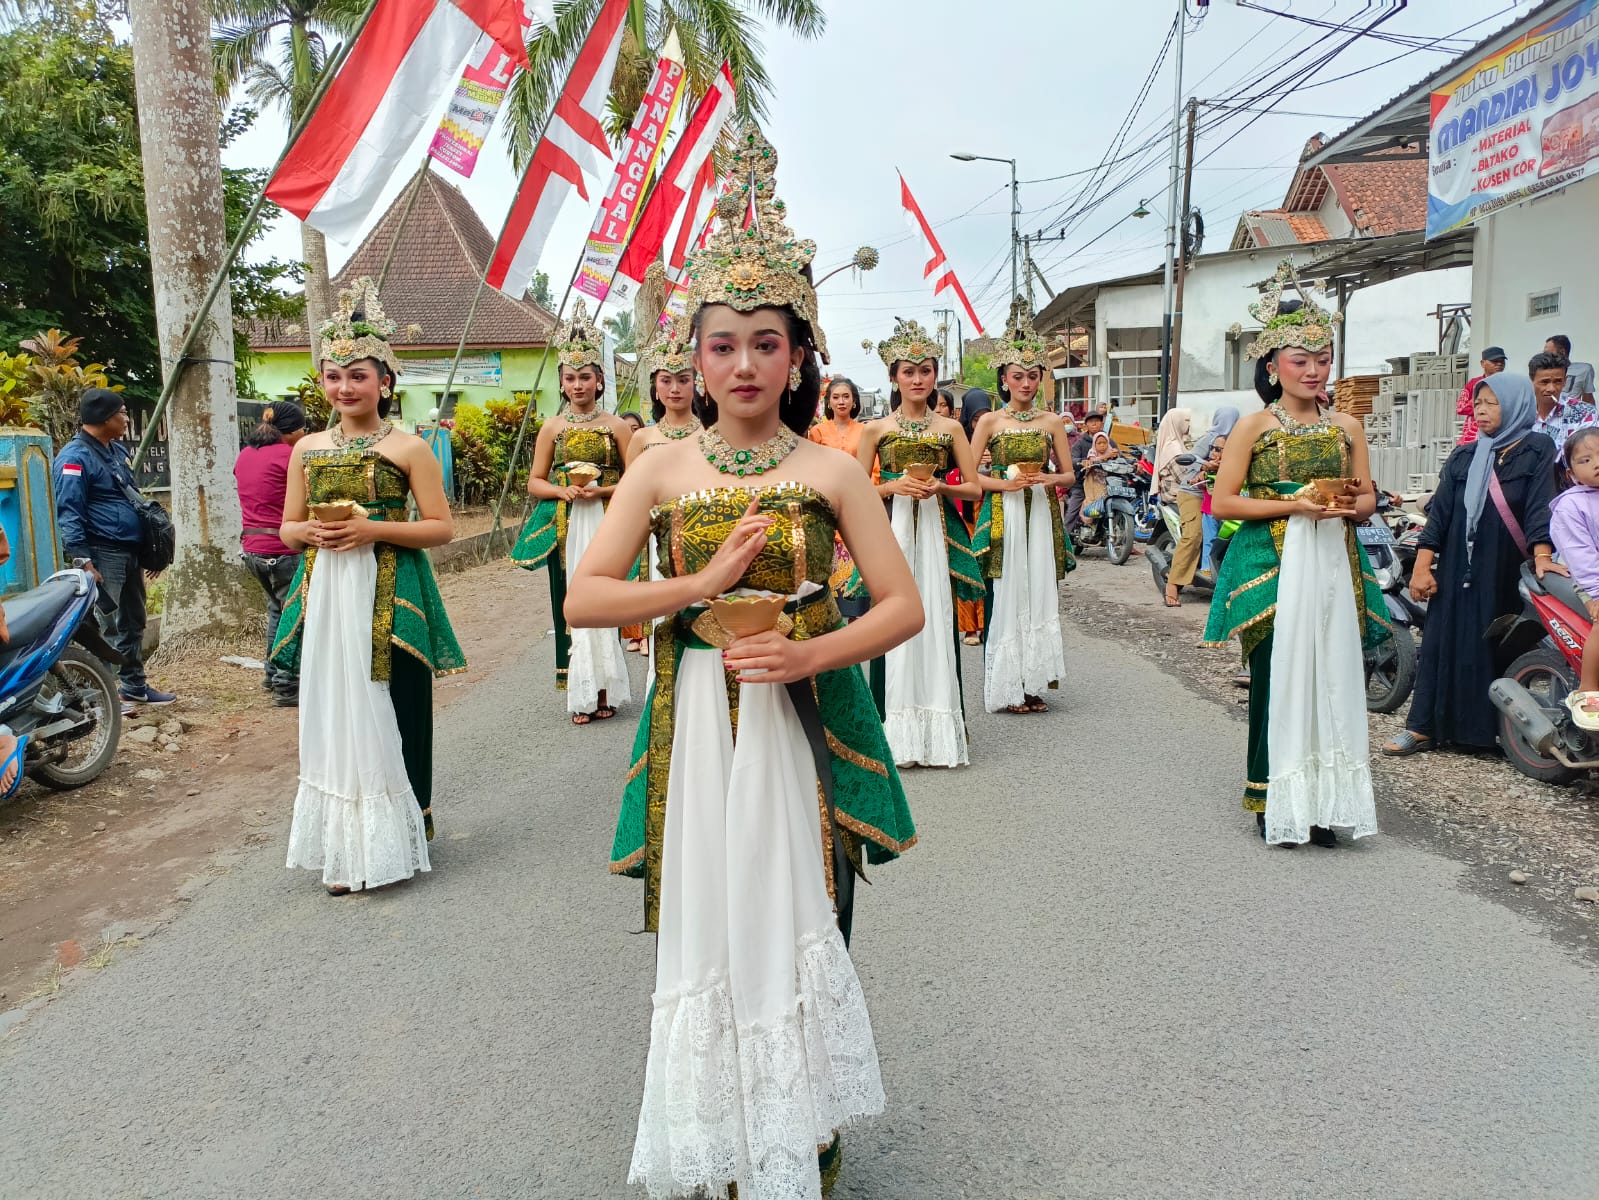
{"type": "Point", "coordinates": [98, 522]}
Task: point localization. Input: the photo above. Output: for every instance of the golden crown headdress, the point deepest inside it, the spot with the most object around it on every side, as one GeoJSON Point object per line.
{"type": "Point", "coordinates": [578, 341]}
{"type": "Point", "coordinates": [1021, 345]}
{"type": "Point", "coordinates": [910, 343]}
{"type": "Point", "coordinates": [764, 265]}
{"type": "Point", "coordinates": [669, 352]}
{"type": "Point", "coordinates": [359, 328]}
{"type": "Point", "coordinates": [1310, 327]}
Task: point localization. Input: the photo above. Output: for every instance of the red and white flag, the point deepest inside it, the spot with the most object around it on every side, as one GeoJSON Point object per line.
{"type": "Point", "coordinates": [677, 183]}
{"type": "Point", "coordinates": [938, 268]}
{"type": "Point", "coordinates": [401, 67]}
{"type": "Point", "coordinates": [701, 217]}
{"type": "Point", "coordinates": [574, 140]}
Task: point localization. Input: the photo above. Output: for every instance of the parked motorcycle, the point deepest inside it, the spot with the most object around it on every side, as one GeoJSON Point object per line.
{"type": "Point", "coordinates": [55, 688]}
{"type": "Point", "coordinates": [1110, 522]}
{"type": "Point", "coordinates": [1390, 667]}
{"type": "Point", "coordinates": [1540, 654]}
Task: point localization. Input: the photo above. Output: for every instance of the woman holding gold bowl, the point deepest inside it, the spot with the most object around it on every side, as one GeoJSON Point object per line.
{"type": "Point", "coordinates": [364, 624]}
{"type": "Point", "coordinates": [577, 462]}
{"type": "Point", "coordinates": [924, 714]}
{"type": "Point", "coordinates": [760, 1043]}
{"type": "Point", "coordinates": [1296, 588]}
{"type": "Point", "coordinates": [1020, 535]}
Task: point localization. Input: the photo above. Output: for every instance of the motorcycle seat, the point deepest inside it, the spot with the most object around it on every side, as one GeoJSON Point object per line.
{"type": "Point", "coordinates": [30, 615]}
{"type": "Point", "coordinates": [1563, 590]}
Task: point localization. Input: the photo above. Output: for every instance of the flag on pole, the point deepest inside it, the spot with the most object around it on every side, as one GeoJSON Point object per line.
{"type": "Point", "coordinates": [574, 140]}
{"type": "Point", "coordinates": [470, 117]}
{"type": "Point", "coordinates": [938, 268]}
{"type": "Point", "coordinates": [700, 219]}
{"type": "Point", "coordinates": [635, 166]}
{"type": "Point", "coordinates": [677, 181]}
{"type": "Point", "coordinates": [391, 83]}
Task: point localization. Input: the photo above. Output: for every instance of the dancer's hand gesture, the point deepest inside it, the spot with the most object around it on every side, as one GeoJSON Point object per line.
{"type": "Point", "coordinates": [768, 658]}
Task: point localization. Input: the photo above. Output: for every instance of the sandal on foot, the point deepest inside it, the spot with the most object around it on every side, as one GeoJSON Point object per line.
{"type": "Point", "coordinates": [1322, 836]}
{"type": "Point", "coordinates": [604, 712]}
{"type": "Point", "coordinates": [1172, 602]}
{"type": "Point", "coordinates": [1018, 709]}
{"type": "Point", "coordinates": [582, 718]}
{"type": "Point", "coordinates": [1584, 707]}
{"type": "Point", "coordinates": [338, 889]}
{"type": "Point", "coordinates": [1408, 743]}
{"type": "Point", "coordinates": [1036, 705]}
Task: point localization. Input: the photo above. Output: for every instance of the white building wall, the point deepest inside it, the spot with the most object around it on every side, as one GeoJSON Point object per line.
{"type": "Point", "coordinates": [1535, 247]}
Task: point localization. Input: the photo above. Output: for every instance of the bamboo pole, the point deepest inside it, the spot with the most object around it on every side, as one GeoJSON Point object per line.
{"type": "Point", "coordinates": [181, 361]}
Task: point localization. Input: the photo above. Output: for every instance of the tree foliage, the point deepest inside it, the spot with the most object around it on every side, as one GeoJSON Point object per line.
{"type": "Point", "coordinates": [54, 381]}
{"type": "Point", "coordinates": [73, 244]}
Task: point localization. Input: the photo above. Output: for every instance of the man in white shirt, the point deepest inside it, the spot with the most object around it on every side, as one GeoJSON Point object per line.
{"type": "Point", "coordinates": [1579, 375]}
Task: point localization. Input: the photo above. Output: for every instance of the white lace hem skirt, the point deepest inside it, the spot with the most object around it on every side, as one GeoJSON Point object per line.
{"type": "Point", "coordinates": [760, 1043]}
{"type": "Point", "coordinates": [922, 689]}
{"type": "Point", "coordinates": [598, 662]}
{"type": "Point", "coordinates": [355, 816]}
{"type": "Point", "coordinates": [1024, 654]}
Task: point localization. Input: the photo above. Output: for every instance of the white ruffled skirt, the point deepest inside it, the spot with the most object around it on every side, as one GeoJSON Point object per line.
{"type": "Point", "coordinates": [355, 816]}
{"type": "Point", "coordinates": [1024, 654]}
{"type": "Point", "coordinates": [760, 1043]}
{"type": "Point", "coordinates": [922, 690]}
{"type": "Point", "coordinates": [1316, 736]}
{"type": "Point", "coordinates": [598, 662]}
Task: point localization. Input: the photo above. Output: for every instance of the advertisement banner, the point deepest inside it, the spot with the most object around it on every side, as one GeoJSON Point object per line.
{"type": "Point", "coordinates": [1519, 123]}
{"type": "Point", "coordinates": [634, 167]}
{"type": "Point", "coordinates": [476, 370]}
{"type": "Point", "coordinates": [476, 102]}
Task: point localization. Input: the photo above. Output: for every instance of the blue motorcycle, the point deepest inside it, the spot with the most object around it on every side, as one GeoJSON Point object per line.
{"type": "Point", "coordinates": [56, 692]}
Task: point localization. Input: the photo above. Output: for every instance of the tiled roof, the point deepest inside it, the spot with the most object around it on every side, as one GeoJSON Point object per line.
{"type": "Point", "coordinates": [441, 256]}
{"type": "Point", "coordinates": [1383, 197]}
{"type": "Point", "coordinates": [1277, 227]}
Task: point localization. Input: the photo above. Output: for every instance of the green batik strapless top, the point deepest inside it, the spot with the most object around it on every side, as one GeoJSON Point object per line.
{"type": "Point", "coordinates": [897, 450]}
{"type": "Point", "coordinates": [799, 545]}
{"type": "Point", "coordinates": [1279, 456]}
{"type": "Point", "coordinates": [365, 476]}
{"type": "Point", "coordinates": [1018, 445]}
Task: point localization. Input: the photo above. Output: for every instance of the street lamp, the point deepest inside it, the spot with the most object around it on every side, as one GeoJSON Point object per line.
{"type": "Point", "coordinates": [1015, 208]}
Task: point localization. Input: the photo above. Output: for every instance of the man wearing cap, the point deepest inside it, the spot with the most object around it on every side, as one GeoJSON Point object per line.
{"type": "Point", "coordinates": [262, 474]}
{"type": "Point", "coordinates": [98, 522]}
{"type": "Point", "coordinates": [1493, 361]}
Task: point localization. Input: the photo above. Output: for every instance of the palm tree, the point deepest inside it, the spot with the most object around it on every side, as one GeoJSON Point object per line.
{"type": "Point", "coordinates": [709, 30]}
{"type": "Point", "coordinates": [276, 50]}
{"type": "Point", "coordinates": [621, 327]}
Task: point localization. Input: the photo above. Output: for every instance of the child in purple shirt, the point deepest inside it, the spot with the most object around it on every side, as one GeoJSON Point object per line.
{"type": "Point", "coordinates": [1574, 529]}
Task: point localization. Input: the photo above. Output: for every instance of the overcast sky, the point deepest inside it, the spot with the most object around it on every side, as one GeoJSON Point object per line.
{"type": "Point", "coordinates": [1047, 82]}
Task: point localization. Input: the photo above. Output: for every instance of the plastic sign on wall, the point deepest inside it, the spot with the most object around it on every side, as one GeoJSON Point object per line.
{"type": "Point", "coordinates": [1520, 123]}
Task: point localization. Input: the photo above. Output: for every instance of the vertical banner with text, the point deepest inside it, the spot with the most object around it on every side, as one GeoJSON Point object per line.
{"type": "Point", "coordinates": [476, 102]}
{"type": "Point", "coordinates": [634, 166]}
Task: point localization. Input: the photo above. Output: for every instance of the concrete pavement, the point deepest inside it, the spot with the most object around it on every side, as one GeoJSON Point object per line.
{"type": "Point", "coordinates": [1089, 980]}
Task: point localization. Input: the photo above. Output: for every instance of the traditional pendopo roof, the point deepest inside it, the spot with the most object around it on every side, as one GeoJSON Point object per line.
{"type": "Point", "coordinates": [443, 249]}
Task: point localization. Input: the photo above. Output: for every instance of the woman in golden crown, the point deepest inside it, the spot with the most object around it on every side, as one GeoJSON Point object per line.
{"type": "Point", "coordinates": [577, 462]}
{"type": "Point", "coordinates": [1296, 588]}
{"type": "Point", "coordinates": [364, 625]}
{"type": "Point", "coordinates": [1020, 534]}
{"type": "Point", "coordinates": [924, 714]}
{"type": "Point", "coordinates": [668, 365]}
{"type": "Point", "coordinates": [761, 1048]}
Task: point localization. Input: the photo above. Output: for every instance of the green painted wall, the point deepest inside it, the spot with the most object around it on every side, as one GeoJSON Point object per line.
{"type": "Point", "coordinates": [278, 371]}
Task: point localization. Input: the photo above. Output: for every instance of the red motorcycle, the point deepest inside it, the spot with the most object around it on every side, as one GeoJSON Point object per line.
{"type": "Point", "coordinates": [1540, 662]}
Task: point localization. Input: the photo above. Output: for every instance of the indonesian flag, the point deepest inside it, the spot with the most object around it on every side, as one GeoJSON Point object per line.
{"type": "Point", "coordinates": [701, 216]}
{"type": "Point", "coordinates": [398, 72]}
{"type": "Point", "coordinates": [681, 179]}
{"type": "Point", "coordinates": [574, 140]}
{"type": "Point", "coordinates": [938, 268]}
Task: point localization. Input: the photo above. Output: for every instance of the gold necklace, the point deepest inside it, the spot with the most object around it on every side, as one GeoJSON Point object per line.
{"type": "Point", "coordinates": [576, 418]}
{"type": "Point", "coordinates": [362, 441]}
{"type": "Point", "coordinates": [910, 426]}
{"type": "Point", "coordinates": [1024, 414]}
{"type": "Point", "coordinates": [756, 460]}
{"type": "Point", "coordinates": [677, 433]}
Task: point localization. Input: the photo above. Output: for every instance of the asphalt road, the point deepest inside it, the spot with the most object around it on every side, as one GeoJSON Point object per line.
{"type": "Point", "coordinates": [1089, 980]}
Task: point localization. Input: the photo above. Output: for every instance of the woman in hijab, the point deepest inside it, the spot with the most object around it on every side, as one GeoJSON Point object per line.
{"type": "Point", "coordinates": [1469, 564]}
{"type": "Point", "coordinates": [1171, 479]}
{"type": "Point", "coordinates": [1221, 426]}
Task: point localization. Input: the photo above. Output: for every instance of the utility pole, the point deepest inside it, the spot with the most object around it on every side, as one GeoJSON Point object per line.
{"type": "Point", "coordinates": [1169, 281]}
{"type": "Point", "coordinates": [1182, 257]}
{"type": "Point", "coordinates": [1015, 228]}
{"type": "Point", "coordinates": [1027, 262]}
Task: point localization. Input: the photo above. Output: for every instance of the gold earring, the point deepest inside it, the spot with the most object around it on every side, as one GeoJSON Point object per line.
{"type": "Point", "coordinates": [1271, 378]}
{"type": "Point", "coordinates": [385, 392]}
{"type": "Point", "coordinates": [699, 383]}
{"type": "Point", "coordinates": [794, 379]}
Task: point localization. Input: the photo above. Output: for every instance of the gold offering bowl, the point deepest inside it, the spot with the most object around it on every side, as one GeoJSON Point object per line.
{"type": "Point", "coordinates": [1336, 491]}
{"type": "Point", "coordinates": [746, 616]}
{"type": "Point", "coordinates": [1029, 470]}
{"type": "Point", "coordinates": [582, 474]}
{"type": "Point", "coordinates": [919, 470]}
{"type": "Point", "coordinates": [333, 512]}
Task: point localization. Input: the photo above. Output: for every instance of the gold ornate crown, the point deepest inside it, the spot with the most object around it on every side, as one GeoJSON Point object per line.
{"type": "Point", "coordinates": [578, 342]}
{"type": "Point", "coordinates": [763, 266]}
{"type": "Point", "coordinates": [669, 352]}
{"type": "Point", "coordinates": [359, 328]}
{"type": "Point", "coordinates": [1310, 327]}
{"type": "Point", "coordinates": [1020, 344]}
{"type": "Point", "coordinates": [910, 343]}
